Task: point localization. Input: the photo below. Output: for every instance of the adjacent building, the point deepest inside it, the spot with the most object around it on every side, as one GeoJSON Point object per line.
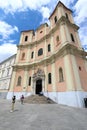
{"type": "Point", "coordinates": [51, 61]}
{"type": "Point", "coordinates": [5, 75]}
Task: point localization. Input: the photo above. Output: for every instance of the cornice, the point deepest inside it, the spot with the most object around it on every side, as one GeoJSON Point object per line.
{"type": "Point", "coordinates": [62, 20]}
{"type": "Point", "coordinates": [61, 52]}
{"type": "Point", "coordinates": [44, 37]}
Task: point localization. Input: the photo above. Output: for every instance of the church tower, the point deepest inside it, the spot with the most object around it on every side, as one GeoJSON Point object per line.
{"type": "Point", "coordinates": [51, 60]}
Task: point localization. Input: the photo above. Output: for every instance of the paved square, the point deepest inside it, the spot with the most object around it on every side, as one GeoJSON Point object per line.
{"type": "Point", "coordinates": [41, 117]}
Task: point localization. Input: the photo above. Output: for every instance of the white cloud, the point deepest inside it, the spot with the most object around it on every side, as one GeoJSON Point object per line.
{"type": "Point", "coordinates": [67, 2]}
{"type": "Point", "coordinates": [6, 30]}
{"type": "Point", "coordinates": [11, 5]}
{"type": "Point", "coordinates": [7, 50]}
{"type": "Point", "coordinates": [45, 7]}
{"type": "Point", "coordinates": [81, 19]}
{"type": "Point", "coordinates": [83, 35]}
{"type": "Point", "coordinates": [81, 11]}
{"type": "Point", "coordinates": [19, 5]}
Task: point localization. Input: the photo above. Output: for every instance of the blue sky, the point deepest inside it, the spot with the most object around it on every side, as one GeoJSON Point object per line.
{"type": "Point", "coordinates": [19, 15]}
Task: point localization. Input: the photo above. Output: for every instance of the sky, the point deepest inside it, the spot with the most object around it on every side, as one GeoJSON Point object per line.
{"type": "Point", "coordinates": [19, 15]}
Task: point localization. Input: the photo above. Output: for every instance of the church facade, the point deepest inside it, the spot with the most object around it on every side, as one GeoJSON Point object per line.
{"type": "Point", "coordinates": [51, 61]}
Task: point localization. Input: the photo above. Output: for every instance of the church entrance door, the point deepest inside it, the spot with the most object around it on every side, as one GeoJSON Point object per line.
{"type": "Point", "coordinates": [38, 86]}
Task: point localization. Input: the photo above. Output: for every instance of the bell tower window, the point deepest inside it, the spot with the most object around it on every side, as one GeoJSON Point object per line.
{"type": "Point", "coordinates": [66, 15]}
{"type": "Point", "coordinates": [72, 37]}
{"type": "Point", "coordinates": [26, 38]}
{"type": "Point", "coordinates": [55, 19]}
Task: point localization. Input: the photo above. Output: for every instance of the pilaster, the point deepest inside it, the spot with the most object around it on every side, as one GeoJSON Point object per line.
{"type": "Point", "coordinates": [45, 49]}
{"type": "Point", "coordinates": [53, 76]}
{"type": "Point", "coordinates": [34, 52]}
{"type": "Point", "coordinates": [62, 11]}
{"type": "Point", "coordinates": [63, 33]}
{"type": "Point", "coordinates": [72, 20]}
{"type": "Point", "coordinates": [28, 54]}
{"type": "Point", "coordinates": [45, 70]}
{"type": "Point", "coordinates": [17, 56]}
{"type": "Point", "coordinates": [25, 81]}
{"type": "Point", "coordinates": [59, 12]}
{"type": "Point", "coordinates": [32, 82]}
{"type": "Point", "coordinates": [67, 33]}
{"type": "Point", "coordinates": [13, 80]}
{"type": "Point", "coordinates": [21, 38]}
{"type": "Point", "coordinates": [78, 39]}
{"type": "Point", "coordinates": [68, 73]}
{"type": "Point", "coordinates": [76, 73]}
{"type": "Point", "coordinates": [52, 43]}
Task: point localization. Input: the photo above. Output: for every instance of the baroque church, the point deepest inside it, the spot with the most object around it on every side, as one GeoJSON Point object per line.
{"type": "Point", "coordinates": [51, 61]}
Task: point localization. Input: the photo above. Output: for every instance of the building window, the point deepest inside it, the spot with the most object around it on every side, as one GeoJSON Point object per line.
{"type": "Point", "coordinates": [49, 47]}
{"type": "Point", "coordinates": [3, 71]}
{"type": "Point", "coordinates": [41, 31]}
{"type": "Point", "coordinates": [29, 81]}
{"type": "Point", "coordinates": [61, 79]}
{"type": "Point", "coordinates": [72, 37]}
{"type": "Point", "coordinates": [19, 81]}
{"type": "Point", "coordinates": [49, 78]}
{"type": "Point", "coordinates": [23, 56]}
{"type": "Point", "coordinates": [33, 33]}
{"type": "Point", "coordinates": [57, 38]}
{"type": "Point", "coordinates": [66, 15]}
{"type": "Point", "coordinates": [32, 55]}
{"type": "Point", "coordinates": [40, 52]}
{"type": "Point", "coordinates": [26, 38]}
{"type": "Point", "coordinates": [55, 19]}
{"type": "Point", "coordinates": [8, 70]}
{"type": "Point", "coordinates": [79, 68]}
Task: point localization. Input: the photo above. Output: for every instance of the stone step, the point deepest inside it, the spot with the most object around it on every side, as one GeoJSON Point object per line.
{"type": "Point", "coordinates": [38, 99]}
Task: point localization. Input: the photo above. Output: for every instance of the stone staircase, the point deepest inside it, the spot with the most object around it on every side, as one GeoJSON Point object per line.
{"type": "Point", "coordinates": [38, 99]}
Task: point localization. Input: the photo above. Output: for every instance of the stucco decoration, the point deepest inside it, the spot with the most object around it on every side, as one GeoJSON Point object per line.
{"type": "Point", "coordinates": [38, 74]}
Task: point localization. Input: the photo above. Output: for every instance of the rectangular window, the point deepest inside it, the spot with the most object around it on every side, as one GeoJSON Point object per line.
{"type": "Point", "coordinates": [55, 19]}
{"type": "Point", "coordinates": [49, 49]}
{"type": "Point", "coordinates": [26, 38]}
{"type": "Point", "coordinates": [29, 81]}
{"type": "Point", "coordinates": [32, 55]}
{"type": "Point", "coordinates": [3, 71]}
{"type": "Point", "coordinates": [8, 70]}
{"type": "Point", "coordinates": [49, 78]}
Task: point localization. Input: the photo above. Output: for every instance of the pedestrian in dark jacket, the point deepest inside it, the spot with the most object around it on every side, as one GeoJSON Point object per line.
{"type": "Point", "coordinates": [22, 99]}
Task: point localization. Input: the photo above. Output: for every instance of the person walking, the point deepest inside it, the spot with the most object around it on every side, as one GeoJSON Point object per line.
{"type": "Point", "coordinates": [22, 99]}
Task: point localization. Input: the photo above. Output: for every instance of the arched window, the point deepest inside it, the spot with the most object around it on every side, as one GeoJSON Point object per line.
{"type": "Point", "coordinates": [29, 81]}
{"type": "Point", "coordinates": [80, 68]}
{"type": "Point", "coordinates": [55, 19]}
{"type": "Point", "coordinates": [66, 15]}
{"type": "Point", "coordinates": [57, 38]}
{"type": "Point", "coordinates": [40, 52]}
{"type": "Point", "coordinates": [49, 47]}
{"type": "Point", "coordinates": [49, 78]}
{"type": "Point", "coordinates": [61, 79]}
{"type": "Point", "coordinates": [19, 81]}
{"type": "Point", "coordinates": [23, 56]}
{"type": "Point", "coordinates": [26, 38]}
{"type": "Point", "coordinates": [72, 37]}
